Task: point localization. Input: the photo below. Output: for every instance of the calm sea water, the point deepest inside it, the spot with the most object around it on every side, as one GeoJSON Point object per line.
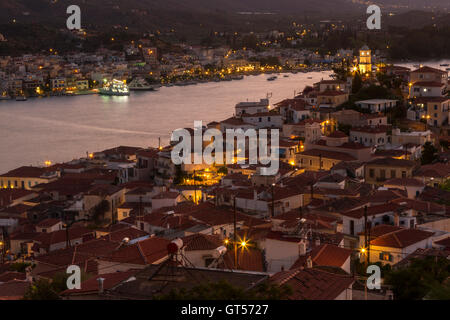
{"type": "Point", "coordinates": [63, 128]}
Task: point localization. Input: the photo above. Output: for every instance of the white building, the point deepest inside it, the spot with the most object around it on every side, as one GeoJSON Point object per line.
{"type": "Point", "coordinates": [376, 105]}
{"type": "Point", "coordinates": [252, 107]}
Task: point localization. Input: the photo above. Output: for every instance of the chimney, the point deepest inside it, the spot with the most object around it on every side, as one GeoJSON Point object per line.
{"type": "Point", "coordinates": [396, 219]}
{"type": "Point", "coordinates": [302, 248]}
{"type": "Point", "coordinates": [309, 262]}
{"type": "Point", "coordinates": [100, 285]}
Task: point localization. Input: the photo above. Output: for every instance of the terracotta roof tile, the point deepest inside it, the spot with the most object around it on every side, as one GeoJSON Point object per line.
{"type": "Point", "coordinates": [401, 238]}
{"type": "Point", "coordinates": [313, 284]}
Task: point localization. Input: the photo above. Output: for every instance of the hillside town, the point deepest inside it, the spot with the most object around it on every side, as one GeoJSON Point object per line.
{"type": "Point", "coordinates": [364, 179]}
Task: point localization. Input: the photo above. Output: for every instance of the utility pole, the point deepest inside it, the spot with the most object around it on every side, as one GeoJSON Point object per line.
{"type": "Point", "coordinates": [195, 190]}
{"type": "Point", "coordinates": [365, 246]}
{"type": "Point", "coordinates": [365, 228]}
{"type": "Point", "coordinates": [234, 233]}
{"type": "Point", "coordinates": [273, 201]}
{"type": "Point", "coordinates": [140, 208]}
{"type": "Point", "coordinates": [368, 244]}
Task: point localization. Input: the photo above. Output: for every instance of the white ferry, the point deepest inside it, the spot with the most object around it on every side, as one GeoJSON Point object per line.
{"type": "Point", "coordinates": [115, 88]}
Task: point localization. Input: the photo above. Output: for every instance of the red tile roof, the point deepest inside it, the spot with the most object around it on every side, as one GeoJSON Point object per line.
{"type": "Point", "coordinates": [13, 290]}
{"type": "Point", "coordinates": [92, 285]}
{"type": "Point", "coordinates": [313, 284]}
{"type": "Point", "coordinates": [47, 223]}
{"type": "Point", "coordinates": [402, 238]}
{"type": "Point", "coordinates": [325, 255]}
{"type": "Point", "coordinates": [405, 182]}
{"type": "Point", "coordinates": [337, 134]}
{"type": "Point", "coordinates": [12, 275]}
{"type": "Point", "coordinates": [328, 154]}
{"type": "Point", "coordinates": [130, 233]}
{"type": "Point", "coordinates": [144, 252]}
{"type": "Point", "coordinates": [47, 239]}
{"type": "Point", "coordinates": [427, 69]}
{"type": "Point", "coordinates": [443, 242]}
{"type": "Point", "coordinates": [372, 210]}
{"type": "Point", "coordinates": [391, 162]}
{"type": "Point", "coordinates": [26, 172]}
{"type": "Point", "coordinates": [381, 230]}
{"type": "Point", "coordinates": [200, 241]}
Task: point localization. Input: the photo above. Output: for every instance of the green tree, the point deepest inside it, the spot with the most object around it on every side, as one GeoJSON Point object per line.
{"type": "Point", "coordinates": [421, 278]}
{"type": "Point", "coordinates": [41, 290]}
{"type": "Point", "coordinates": [428, 153]}
{"type": "Point", "coordinates": [20, 266]}
{"type": "Point", "coordinates": [356, 83]}
{"type": "Point", "coordinates": [445, 185]}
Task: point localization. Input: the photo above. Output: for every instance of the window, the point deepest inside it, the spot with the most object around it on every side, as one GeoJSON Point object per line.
{"type": "Point", "coordinates": [386, 256]}
{"type": "Point", "coordinates": [383, 174]}
{"type": "Point", "coordinates": [393, 173]}
{"type": "Point", "coordinates": [352, 227]}
{"type": "Point", "coordinates": [403, 174]}
{"type": "Point", "coordinates": [260, 119]}
{"type": "Point", "coordinates": [371, 173]}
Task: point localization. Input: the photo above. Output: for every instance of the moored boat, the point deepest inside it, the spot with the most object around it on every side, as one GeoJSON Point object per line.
{"type": "Point", "coordinates": [139, 84]}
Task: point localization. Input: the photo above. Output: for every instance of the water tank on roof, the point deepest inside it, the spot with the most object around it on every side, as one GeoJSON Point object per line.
{"type": "Point", "coordinates": [174, 246]}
